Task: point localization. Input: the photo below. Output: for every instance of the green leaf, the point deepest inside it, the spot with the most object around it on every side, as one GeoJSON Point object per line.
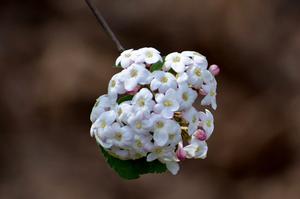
{"type": "Point", "coordinates": [124, 98]}
{"type": "Point", "coordinates": [157, 66]}
{"type": "Point", "coordinates": [132, 169]}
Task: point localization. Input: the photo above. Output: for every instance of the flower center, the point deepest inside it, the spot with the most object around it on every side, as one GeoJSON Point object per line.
{"type": "Point", "coordinates": [168, 103]}
{"type": "Point", "coordinates": [118, 136]}
{"type": "Point", "coordinates": [103, 124]}
{"type": "Point", "coordinates": [176, 59]}
{"type": "Point", "coordinates": [185, 96]}
{"type": "Point", "coordinates": [158, 150]}
{"type": "Point", "coordinates": [149, 54]}
{"type": "Point", "coordinates": [171, 136]}
{"type": "Point", "coordinates": [160, 124]}
{"type": "Point", "coordinates": [138, 143]}
{"type": "Point", "coordinates": [133, 73]}
{"type": "Point", "coordinates": [197, 72]}
{"type": "Point", "coordinates": [141, 102]}
{"type": "Point", "coordinates": [164, 79]}
{"type": "Point", "coordinates": [208, 123]}
{"type": "Point", "coordinates": [138, 125]}
{"type": "Point", "coordinates": [212, 93]}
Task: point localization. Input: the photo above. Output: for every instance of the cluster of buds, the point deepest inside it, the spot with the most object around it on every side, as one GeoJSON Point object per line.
{"type": "Point", "coordinates": [157, 119]}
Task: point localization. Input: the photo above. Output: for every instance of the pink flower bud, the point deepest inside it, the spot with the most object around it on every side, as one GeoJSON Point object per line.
{"type": "Point", "coordinates": [214, 69]}
{"type": "Point", "coordinates": [180, 153]}
{"type": "Point", "coordinates": [134, 91]}
{"type": "Point", "coordinates": [200, 135]}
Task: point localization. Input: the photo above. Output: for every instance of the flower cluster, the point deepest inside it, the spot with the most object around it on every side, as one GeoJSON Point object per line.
{"type": "Point", "coordinates": [156, 118]}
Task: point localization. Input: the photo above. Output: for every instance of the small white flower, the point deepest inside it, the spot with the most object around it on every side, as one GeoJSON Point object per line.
{"type": "Point", "coordinates": [160, 127]}
{"type": "Point", "coordinates": [115, 86]}
{"type": "Point", "coordinates": [148, 55]}
{"type": "Point", "coordinates": [210, 98]}
{"type": "Point", "coordinates": [174, 133]}
{"type": "Point", "coordinates": [103, 122]}
{"type": "Point", "coordinates": [124, 110]}
{"type": "Point", "coordinates": [196, 149]}
{"type": "Point", "coordinates": [163, 154]}
{"type": "Point", "coordinates": [195, 74]}
{"type": "Point", "coordinates": [103, 103]}
{"type": "Point", "coordinates": [142, 143]}
{"type": "Point", "coordinates": [120, 136]}
{"type": "Point", "coordinates": [192, 116]}
{"type": "Point", "coordinates": [139, 123]}
{"type": "Point", "coordinates": [167, 103]}
{"type": "Point", "coordinates": [186, 95]}
{"type": "Point", "coordinates": [207, 122]}
{"type": "Point", "coordinates": [177, 62]}
{"type": "Point", "coordinates": [198, 59]}
{"type": "Point", "coordinates": [142, 101]}
{"type": "Point", "coordinates": [182, 78]}
{"type": "Point", "coordinates": [134, 75]}
{"type": "Point", "coordinates": [126, 58]}
{"type": "Point", "coordinates": [162, 81]}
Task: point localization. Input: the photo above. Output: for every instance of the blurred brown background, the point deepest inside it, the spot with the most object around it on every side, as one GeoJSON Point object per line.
{"type": "Point", "coordinates": [55, 61]}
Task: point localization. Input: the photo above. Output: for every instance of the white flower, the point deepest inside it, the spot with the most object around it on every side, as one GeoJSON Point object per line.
{"type": "Point", "coordinates": [174, 133]}
{"type": "Point", "coordinates": [210, 98]}
{"type": "Point", "coordinates": [182, 78]}
{"type": "Point", "coordinates": [160, 125]}
{"type": "Point", "coordinates": [115, 86]}
{"type": "Point", "coordinates": [124, 110]}
{"type": "Point", "coordinates": [196, 149]}
{"type": "Point", "coordinates": [103, 103]}
{"type": "Point", "coordinates": [167, 103]}
{"type": "Point", "coordinates": [177, 62]}
{"type": "Point", "coordinates": [207, 122]}
{"type": "Point", "coordinates": [192, 116]}
{"type": "Point", "coordinates": [198, 59]}
{"type": "Point", "coordinates": [186, 95]}
{"type": "Point", "coordinates": [139, 123]}
{"type": "Point", "coordinates": [103, 122]}
{"type": "Point", "coordinates": [195, 74]}
{"type": "Point", "coordinates": [126, 58]}
{"type": "Point", "coordinates": [162, 81]}
{"type": "Point", "coordinates": [134, 75]}
{"type": "Point", "coordinates": [120, 136]}
{"type": "Point", "coordinates": [148, 55]}
{"type": "Point", "coordinates": [142, 101]}
{"type": "Point", "coordinates": [142, 143]}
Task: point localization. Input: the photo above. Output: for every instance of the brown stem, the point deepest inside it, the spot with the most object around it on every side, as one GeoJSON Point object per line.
{"type": "Point", "coordinates": [104, 25]}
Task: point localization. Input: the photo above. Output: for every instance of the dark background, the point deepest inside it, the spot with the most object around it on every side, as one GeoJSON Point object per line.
{"type": "Point", "coordinates": [55, 61]}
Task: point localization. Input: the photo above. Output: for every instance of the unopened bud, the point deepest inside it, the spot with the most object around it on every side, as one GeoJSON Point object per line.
{"type": "Point", "coordinates": [214, 69]}
{"type": "Point", "coordinates": [134, 91]}
{"type": "Point", "coordinates": [200, 135]}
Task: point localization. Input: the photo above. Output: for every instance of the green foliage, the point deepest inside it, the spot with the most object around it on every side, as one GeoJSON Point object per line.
{"type": "Point", "coordinates": [132, 169]}
{"type": "Point", "coordinates": [124, 98]}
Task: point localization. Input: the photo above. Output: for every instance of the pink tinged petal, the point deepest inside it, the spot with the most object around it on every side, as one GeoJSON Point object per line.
{"type": "Point", "coordinates": [134, 91]}
{"type": "Point", "coordinates": [214, 69]}
{"type": "Point", "coordinates": [160, 138]}
{"type": "Point", "coordinates": [151, 157]}
{"type": "Point", "coordinates": [130, 84]}
{"type": "Point", "coordinates": [173, 167]}
{"type": "Point", "coordinates": [202, 92]}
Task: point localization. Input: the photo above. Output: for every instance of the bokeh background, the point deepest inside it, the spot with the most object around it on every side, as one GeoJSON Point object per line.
{"type": "Point", "coordinates": [55, 61]}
